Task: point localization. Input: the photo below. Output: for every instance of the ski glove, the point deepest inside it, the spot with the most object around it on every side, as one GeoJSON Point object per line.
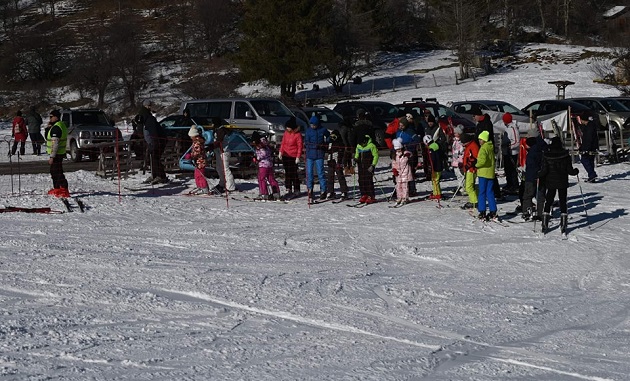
{"type": "Point", "coordinates": [371, 169]}
{"type": "Point", "coordinates": [395, 171]}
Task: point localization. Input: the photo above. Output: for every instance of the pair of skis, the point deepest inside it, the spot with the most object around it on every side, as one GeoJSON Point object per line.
{"type": "Point", "coordinates": [69, 207]}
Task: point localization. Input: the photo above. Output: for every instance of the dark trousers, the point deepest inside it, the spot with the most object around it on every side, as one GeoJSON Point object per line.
{"type": "Point", "coordinates": [531, 190]}
{"type": "Point", "coordinates": [36, 141]}
{"type": "Point", "coordinates": [332, 170]}
{"type": "Point", "coordinates": [14, 148]}
{"type": "Point", "coordinates": [511, 174]}
{"type": "Point", "coordinates": [366, 181]}
{"type": "Point", "coordinates": [56, 173]}
{"type": "Point", "coordinates": [562, 196]}
{"type": "Point", "coordinates": [588, 161]}
{"type": "Point", "coordinates": [291, 178]}
{"type": "Point", "coordinates": [157, 167]}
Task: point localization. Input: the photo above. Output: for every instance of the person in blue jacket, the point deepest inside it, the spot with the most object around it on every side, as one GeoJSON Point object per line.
{"type": "Point", "coordinates": [316, 143]}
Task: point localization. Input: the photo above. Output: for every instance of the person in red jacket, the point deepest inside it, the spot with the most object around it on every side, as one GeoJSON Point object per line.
{"type": "Point", "coordinates": [471, 150]}
{"type": "Point", "coordinates": [290, 154]}
{"type": "Point", "coordinates": [19, 133]}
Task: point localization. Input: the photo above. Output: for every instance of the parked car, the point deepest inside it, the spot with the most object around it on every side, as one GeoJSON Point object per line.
{"type": "Point", "coordinates": [613, 115]}
{"type": "Point", "coordinates": [247, 114]}
{"type": "Point", "coordinates": [623, 100]}
{"type": "Point", "coordinates": [329, 118]}
{"type": "Point", "coordinates": [380, 113]}
{"type": "Point", "coordinates": [465, 107]}
{"type": "Point", "coordinates": [441, 112]}
{"type": "Point", "coordinates": [86, 129]}
{"type": "Point", "coordinates": [550, 106]}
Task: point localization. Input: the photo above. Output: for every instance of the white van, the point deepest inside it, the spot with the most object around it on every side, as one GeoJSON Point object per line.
{"type": "Point", "coordinates": [249, 114]}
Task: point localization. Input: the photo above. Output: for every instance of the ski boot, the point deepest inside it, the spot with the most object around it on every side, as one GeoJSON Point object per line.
{"type": "Point", "coordinates": [564, 219]}
{"type": "Point", "coordinates": [545, 222]}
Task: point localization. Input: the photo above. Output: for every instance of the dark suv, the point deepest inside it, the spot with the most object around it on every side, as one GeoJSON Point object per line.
{"type": "Point", "coordinates": [86, 128]}
{"type": "Point", "coordinates": [380, 113]}
{"type": "Point", "coordinates": [441, 112]}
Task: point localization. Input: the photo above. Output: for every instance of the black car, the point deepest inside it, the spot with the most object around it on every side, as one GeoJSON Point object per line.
{"type": "Point", "coordinates": [380, 113]}
{"type": "Point", "coordinates": [550, 106]}
{"type": "Point", "coordinates": [441, 112]}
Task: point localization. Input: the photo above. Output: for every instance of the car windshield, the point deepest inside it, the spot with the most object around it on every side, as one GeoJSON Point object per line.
{"type": "Point", "coordinates": [326, 116]}
{"type": "Point", "coordinates": [384, 111]}
{"type": "Point", "coordinates": [270, 108]}
{"type": "Point", "coordinates": [612, 105]}
{"type": "Point", "coordinates": [504, 107]}
{"type": "Point", "coordinates": [90, 117]}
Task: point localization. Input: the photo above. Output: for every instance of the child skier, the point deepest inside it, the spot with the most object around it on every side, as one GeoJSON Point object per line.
{"type": "Point", "coordinates": [485, 171]}
{"type": "Point", "coordinates": [198, 157]}
{"type": "Point", "coordinates": [366, 156]}
{"type": "Point", "coordinates": [457, 155]}
{"type": "Point", "coordinates": [435, 161]}
{"type": "Point", "coordinates": [471, 151]}
{"type": "Point", "coordinates": [264, 158]}
{"type": "Point", "coordinates": [402, 172]}
{"type": "Point", "coordinates": [335, 160]}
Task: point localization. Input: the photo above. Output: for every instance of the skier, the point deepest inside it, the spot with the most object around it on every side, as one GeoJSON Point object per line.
{"type": "Point", "coordinates": [366, 156]}
{"type": "Point", "coordinates": [457, 155]}
{"type": "Point", "coordinates": [471, 151]}
{"type": "Point", "coordinates": [533, 186]}
{"type": "Point", "coordinates": [589, 147]}
{"type": "Point", "coordinates": [264, 159]}
{"type": "Point", "coordinates": [198, 157]}
{"type": "Point", "coordinates": [290, 153]}
{"type": "Point", "coordinates": [485, 171]}
{"type": "Point", "coordinates": [402, 171]}
{"type": "Point", "coordinates": [435, 161]}
{"type": "Point", "coordinates": [509, 149]}
{"type": "Point", "coordinates": [335, 160]}
{"type": "Point", "coordinates": [19, 133]}
{"type": "Point", "coordinates": [556, 168]}
{"type": "Point", "coordinates": [315, 142]}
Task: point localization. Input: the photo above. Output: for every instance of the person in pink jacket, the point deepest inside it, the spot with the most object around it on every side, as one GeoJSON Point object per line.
{"type": "Point", "coordinates": [402, 172]}
{"type": "Point", "coordinates": [264, 159]}
{"type": "Point", "coordinates": [19, 133]}
{"type": "Point", "coordinates": [290, 154]}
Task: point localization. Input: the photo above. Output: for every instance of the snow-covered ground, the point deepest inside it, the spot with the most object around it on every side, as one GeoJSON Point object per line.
{"type": "Point", "coordinates": [154, 285]}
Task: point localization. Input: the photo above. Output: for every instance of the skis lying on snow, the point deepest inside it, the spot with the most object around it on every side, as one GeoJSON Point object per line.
{"type": "Point", "coordinates": [43, 210]}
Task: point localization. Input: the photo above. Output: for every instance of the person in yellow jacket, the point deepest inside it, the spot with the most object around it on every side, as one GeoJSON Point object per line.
{"type": "Point", "coordinates": [485, 173]}
{"type": "Point", "coordinates": [56, 137]}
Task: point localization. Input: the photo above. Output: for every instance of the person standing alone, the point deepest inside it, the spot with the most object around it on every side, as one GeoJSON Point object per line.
{"type": "Point", "coordinates": [56, 137]}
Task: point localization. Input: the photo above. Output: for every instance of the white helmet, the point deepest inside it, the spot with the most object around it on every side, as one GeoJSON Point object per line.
{"type": "Point", "coordinates": [427, 139]}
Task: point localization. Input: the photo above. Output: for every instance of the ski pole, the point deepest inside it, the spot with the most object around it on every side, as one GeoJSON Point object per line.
{"type": "Point", "coordinates": [457, 189]}
{"type": "Point", "coordinates": [379, 185]}
{"type": "Point", "coordinates": [583, 201]}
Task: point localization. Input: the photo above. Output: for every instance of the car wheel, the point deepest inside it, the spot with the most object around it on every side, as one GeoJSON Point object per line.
{"type": "Point", "coordinates": [75, 154]}
{"type": "Point", "coordinates": [379, 135]}
{"type": "Point", "coordinates": [614, 130]}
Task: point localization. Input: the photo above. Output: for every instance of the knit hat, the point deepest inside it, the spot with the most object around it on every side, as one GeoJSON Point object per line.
{"type": "Point", "coordinates": [314, 120]}
{"type": "Point", "coordinates": [193, 132]}
{"type": "Point", "coordinates": [531, 141]}
{"type": "Point", "coordinates": [459, 129]}
{"type": "Point", "coordinates": [556, 143]}
{"type": "Point", "coordinates": [484, 135]}
{"type": "Point", "coordinates": [291, 123]}
{"type": "Point", "coordinates": [427, 139]}
{"type": "Point", "coordinates": [55, 113]}
{"type": "Point", "coordinates": [507, 118]}
{"type": "Point", "coordinates": [475, 110]}
{"type": "Point", "coordinates": [465, 138]}
{"type": "Point", "coordinates": [397, 143]}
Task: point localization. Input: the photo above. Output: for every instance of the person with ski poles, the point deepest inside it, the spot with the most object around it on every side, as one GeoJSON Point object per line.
{"type": "Point", "coordinates": [589, 146]}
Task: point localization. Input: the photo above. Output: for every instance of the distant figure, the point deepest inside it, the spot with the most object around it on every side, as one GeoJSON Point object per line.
{"type": "Point", "coordinates": [34, 127]}
{"type": "Point", "coordinates": [19, 133]}
{"type": "Point", "coordinates": [315, 142]}
{"type": "Point", "coordinates": [589, 146]}
{"type": "Point", "coordinates": [222, 156]}
{"type": "Point", "coordinates": [198, 157]}
{"type": "Point", "coordinates": [155, 137]}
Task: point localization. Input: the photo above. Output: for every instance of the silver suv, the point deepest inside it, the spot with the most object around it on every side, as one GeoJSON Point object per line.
{"type": "Point", "coordinates": [87, 127]}
{"type": "Point", "coordinates": [612, 114]}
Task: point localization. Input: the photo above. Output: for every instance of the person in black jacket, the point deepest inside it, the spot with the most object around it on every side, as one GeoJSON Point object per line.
{"type": "Point", "coordinates": [589, 146]}
{"type": "Point", "coordinates": [155, 138]}
{"type": "Point", "coordinates": [555, 170]}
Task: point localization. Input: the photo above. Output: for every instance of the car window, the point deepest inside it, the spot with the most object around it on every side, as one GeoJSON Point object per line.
{"type": "Point", "coordinates": [508, 108]}
{"type": "Point", "coordinates": [210, 109]}
{"type": "Point", "coordinates": [270, 108]}
{"type": "Point", "coordinates": [614, 106]}
{"type": "Point", "coordinates": [240, 110]}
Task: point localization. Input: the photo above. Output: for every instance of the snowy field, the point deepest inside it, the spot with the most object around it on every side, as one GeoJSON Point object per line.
{"type": "Point", "coordinates": [154, 285]}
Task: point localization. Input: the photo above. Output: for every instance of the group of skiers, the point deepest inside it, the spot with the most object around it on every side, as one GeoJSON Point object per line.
{"type": "Point", "coordinates": [535, 168]}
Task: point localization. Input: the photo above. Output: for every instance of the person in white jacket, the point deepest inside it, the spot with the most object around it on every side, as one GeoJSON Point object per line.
{"type": "Point", "coordinates": [510, 141]}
